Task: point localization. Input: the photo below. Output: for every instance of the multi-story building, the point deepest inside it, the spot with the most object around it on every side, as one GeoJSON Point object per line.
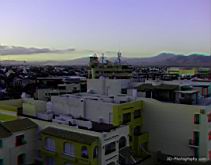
{"type": "Point", "coordinates": [17, 142]}
{"type": "Point", "coordinates": [81, 143]}
{"type": "Point", "coordinates": [109, 69]}
{"type": "Point", "coordinates": [114, 110]}
{"type": "Point", "coordinates": [182, 71]}
{"type": "Point", "coordinates": [63, 144]}
{"type": "Point", "coordinates": [178, 129]}
{"type": "Point", "coordinates": [54, 86]}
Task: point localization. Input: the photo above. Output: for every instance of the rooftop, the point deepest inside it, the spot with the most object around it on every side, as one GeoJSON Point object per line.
{"type": "Point", "coordinates": [118, 99]}
{"type": "Point", "coordinates": [19, 125]}
{"type": "Point", "coordinates": [147, 86]}
{"type": "Point", "coordinates": [68, 135]}
{"type": "Point", "coordinates": [4, 132]}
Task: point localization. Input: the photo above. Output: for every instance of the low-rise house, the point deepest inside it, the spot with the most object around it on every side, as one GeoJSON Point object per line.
{"type": "Point", "coordinates": [17, 142]}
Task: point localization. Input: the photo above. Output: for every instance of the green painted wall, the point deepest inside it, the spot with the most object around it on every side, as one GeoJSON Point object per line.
{"type": "Point", "coordinates": [62, 159]}
{"type": "Point", "coordinates": [118, 112]}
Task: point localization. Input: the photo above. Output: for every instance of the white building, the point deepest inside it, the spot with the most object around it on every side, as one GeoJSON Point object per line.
{"type": "Point", "coordinates": [107, 86]}
{"type": "Point", "coordinates": [93, 107]}
{"type": "Point", "coordinates": [17, 142]}
{"type": "Point", "coordinates": [178, 129]}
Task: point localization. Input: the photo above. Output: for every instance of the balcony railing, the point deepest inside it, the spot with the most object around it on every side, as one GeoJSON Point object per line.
{"type": "Point", "coordinates": [193, 143]}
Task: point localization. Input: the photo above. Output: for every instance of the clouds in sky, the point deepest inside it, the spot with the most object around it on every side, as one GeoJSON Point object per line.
{"type": "Point", "coordinates": [18, 50]}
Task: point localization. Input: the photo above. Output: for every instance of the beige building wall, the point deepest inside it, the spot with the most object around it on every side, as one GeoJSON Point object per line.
{"type": "Point", "coordinates": [9, 152]}
{"type": "Point", "coordinates": [31, 107]}
{"type": "Point", "coordinates": [170, 127]}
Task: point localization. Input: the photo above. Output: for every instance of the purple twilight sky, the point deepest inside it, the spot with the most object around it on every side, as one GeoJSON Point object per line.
{"type": "Point", "coordinates": [137, 27]}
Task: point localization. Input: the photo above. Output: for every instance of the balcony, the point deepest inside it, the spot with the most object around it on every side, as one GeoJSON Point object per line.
{"type": "Point", "coordinates": [72, 158]}
{"type": "Point", "coordinates": [76, 159]}
{"type": "Point", "coordinates": [83, 161]}
{"type": "Point", "coordinates": [193, 143]}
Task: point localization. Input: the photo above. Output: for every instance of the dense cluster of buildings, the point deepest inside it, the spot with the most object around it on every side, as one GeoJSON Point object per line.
{"type": "Point", "coordinates": [114, 115]}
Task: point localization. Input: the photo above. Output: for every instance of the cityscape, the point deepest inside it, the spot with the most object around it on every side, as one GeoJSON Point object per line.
{"type": "Point", "coordinates": [105, 82]}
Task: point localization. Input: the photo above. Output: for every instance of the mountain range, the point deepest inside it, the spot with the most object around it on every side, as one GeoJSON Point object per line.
{"type": "Point", "coordinates": [167, 59]}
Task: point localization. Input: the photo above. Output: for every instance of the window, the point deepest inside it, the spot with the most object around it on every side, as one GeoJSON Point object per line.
{"type": "Point", "coordinates": [1, 143]}
{"type": "Point", "coordinates": [109, 148]}
{"type": "Point", "coordinates": [69, 149]}
{"type": "Point", "coordinates": [20, 140]}
{"type": "Point", "coordinates": [95, 152]}
{"type": "Point", "coordinates": [137, 131]}
{"type": "Point", "coordinates": [21, 159]}
{"type": "Point", "coordinates": [1, 162]}
{"type": "Point", "coordinates": [209, 117]}
{"type": "Point", "coordinates": [196, 119]}
{"type": "Point", "coordinates": [122, 142]}
{"type": "Point", "coordinates": [209, 135]}
{"type": "Point", "coordinates": [124, 90]}
{"type": "Point", "coordinates": [130, 138]}
{"type": "Point", "coordinates": [50, 161]}
{"type": "Point", "coordinates": [84, 152]}
{"type": "Point", "coordinates": [126, 118]}
{"type": "Point", "coordinates": [209, 155]}
{"type": "Point", "coordinates": [196, 138]}
{"type": "Point", "coordinates": [137, 114]}
{"type": "Point", "coordinates": [50, 144]}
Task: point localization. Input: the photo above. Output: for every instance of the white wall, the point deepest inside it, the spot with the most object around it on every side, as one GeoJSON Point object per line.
{"type": "Point", "coordinates": [107, 86]}
{"type": "Point", "coordinates": [170, 126]}
{"type": "Point", "coordinates": [96, 110]}
{"type": "Point", "coordinates": [90, 109]}
{"type": "Point", "coordinates": [10, 152]}
{"type": "Point", "coordinates": [66, 105]}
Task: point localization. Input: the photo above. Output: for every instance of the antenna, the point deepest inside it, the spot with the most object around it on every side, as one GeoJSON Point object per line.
{"type": "Point", "coordinates": [119, 55]}
{"type": "Point", "coordinates": [102, 58]}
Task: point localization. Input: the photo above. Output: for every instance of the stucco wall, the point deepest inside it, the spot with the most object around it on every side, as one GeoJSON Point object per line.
{"type": "Point", "coordinates": [170, 126]}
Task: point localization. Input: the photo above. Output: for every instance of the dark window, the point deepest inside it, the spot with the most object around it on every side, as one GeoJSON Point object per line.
{"type": "Point", "coordinates": [1, 143]}
{"type": "Point", "coordinates": [109, 148]}
{"type": "Point", "coordinates": [124, 91]}
{"type": "Point", "coordinates": [20, 140]}
{"type": "Point", "coordinates": [137, 131]}
{"type": "Point", "coordinates": [209, 155]}
{"type": "Point", "coordinates": [95, 152]}
{"type": "Point", "coordinates": [130, 138]}
{"type": "Point", "coordinates": [84, 152]}
{"type": "Point", "coordinates": [209, 135]}
{"type": "Point", "coordinates": [196, 138]}
{"type": "Point", "coordinates": [122, 142]}
{"type": "Point", "coordinates": [137, 114]}
{"type": "Point", "coordinates": [126, 118]}
{"type": "Point", "coordinates": [62, 87]}
{"type": "Point", "coordinates": [21, 159]}
{"type": "Point", "coordinates": [50, 161]}
{"type": "Point", "coordinates": [197, 119]}
{"type": "Point", "coordinates": [209, 118]}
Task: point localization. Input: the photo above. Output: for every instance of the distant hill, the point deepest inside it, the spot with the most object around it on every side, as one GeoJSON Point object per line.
{"type": "Point", "coordinates": [170, 59]}
{"type": "Point", "coordinates": [167, 59]}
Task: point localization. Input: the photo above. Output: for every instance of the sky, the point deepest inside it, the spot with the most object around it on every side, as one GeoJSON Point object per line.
{"type": "Point", "coordinates": [138, 28]}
